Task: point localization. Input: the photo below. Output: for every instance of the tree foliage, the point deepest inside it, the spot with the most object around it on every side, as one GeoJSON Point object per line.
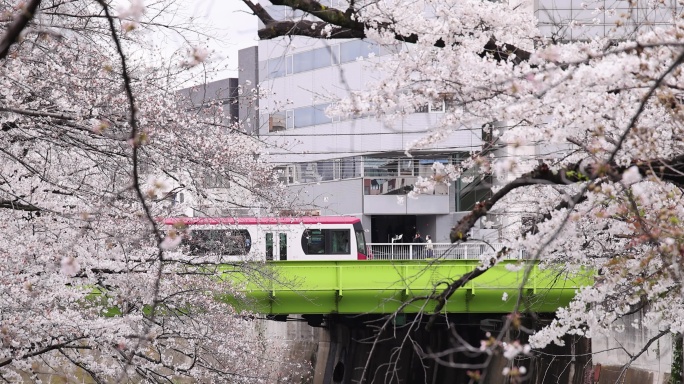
{"type": "Point", "coordinates": [94, 144]}
{"type": "Point", "coordinates": [587, 135]}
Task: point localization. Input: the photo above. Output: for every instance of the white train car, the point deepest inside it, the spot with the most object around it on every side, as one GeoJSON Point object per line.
{"type": "Point", "coordinates": [274, 238]}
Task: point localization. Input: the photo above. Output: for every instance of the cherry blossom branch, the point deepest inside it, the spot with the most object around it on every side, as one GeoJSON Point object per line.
{"type": "Point", "coordinates": [135, 143]}
{"type": "Point", "coordinates": [642, 105]}
{"type": "Point", "coordinates": [386, 324]}
{"type": "Point", "coordinates": [669, 170]}
{"type": "Point", "coordinates": [335, 24]}
{"type": "Point", "coordinates": [443, 297]}
{"type": "Point", "coordinates": [46, 350]}
{"type": "Point", "coordinates": [11, 204]}
{"type": "Point", "coordinates": [20, 22]}
{"type": "Point", "coordinates": [276, 28]}
{"type": "Point", "coordinates": [540, 175]}
{"type": "Point", "coordinates": [641, 352]}
{"type": "Point", "coordinates": [28, 112]}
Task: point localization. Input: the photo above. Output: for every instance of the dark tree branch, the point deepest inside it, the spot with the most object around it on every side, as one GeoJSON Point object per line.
{"type": "Point", "coordinates": [47, 349]}
{"type": "Point", "coordinates": [329, 15]}
{"type": "Point", "coordinates": [32, 113]}
{"type": "Point", "coordinates": [540, 175]}
{"type": "Point", "coordinates": [308, 29]}
{"type": "Point", "coordinates": [22, 19]}
{"type": "Point", "coordinates": [10, 204]}
{"type": "Point", "coordinates": [668, 170]}
{"type": "Point", "coordinates": [343, 25]}
{"type": "Point", "coordinates": [443, 297]}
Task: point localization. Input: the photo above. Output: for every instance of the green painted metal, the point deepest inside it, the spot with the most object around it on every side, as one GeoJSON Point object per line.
{"type": "Point", "coordinates": [355, 287]}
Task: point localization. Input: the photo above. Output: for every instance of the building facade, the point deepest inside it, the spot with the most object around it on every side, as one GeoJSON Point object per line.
{"type": "Point", "coordinates": [355, 165]}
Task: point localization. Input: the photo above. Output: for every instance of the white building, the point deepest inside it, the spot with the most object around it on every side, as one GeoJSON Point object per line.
{"type": "Point", "coordinates": [355, 166]}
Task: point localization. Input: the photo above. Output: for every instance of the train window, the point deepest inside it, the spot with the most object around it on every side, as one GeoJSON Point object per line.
{"type": "Point", "coordinates": [360, 242]}
{"type": "Point", "coordinates": [219, 242]}
{"type": "Point", "coordinates": [313, 241]}
{"type": "Point", "coordinates": [330, 241]}
{"type": "Point", "coordinates": [283, 246]}
{"type": "Point", "coordinates": [269, 246]}
{"type": "Point", "coordinates": [339, 241]}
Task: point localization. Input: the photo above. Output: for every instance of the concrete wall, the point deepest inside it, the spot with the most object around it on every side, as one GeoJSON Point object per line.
{"type": "Point", "coordinates": [338, 197]}
{"type": "Point", "coordinates": [248, 79]}
{"type": "Point", "coordinates": [295, 345]}
{"type": "Point", "coordinates": [610, 352]}
{"type": "Point", "coordinates": [404, 205]}
{"type": "Point", "coordinates": [360, 136]}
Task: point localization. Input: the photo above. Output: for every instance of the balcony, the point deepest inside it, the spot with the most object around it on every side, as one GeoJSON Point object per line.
{"type": "Point", "coordinates": [389, 196]}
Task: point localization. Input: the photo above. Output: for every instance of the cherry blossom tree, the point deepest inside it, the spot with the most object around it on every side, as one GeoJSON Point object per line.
{"type": "Point", "coordinates": [589, 130]}
{"type": "Point", "coordinates": [94, 144]}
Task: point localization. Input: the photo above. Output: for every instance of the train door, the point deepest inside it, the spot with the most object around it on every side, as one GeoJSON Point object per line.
{"type": "Point", "coordinates": [276, 246]}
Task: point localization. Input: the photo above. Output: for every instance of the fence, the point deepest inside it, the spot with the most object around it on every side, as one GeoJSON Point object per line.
{"type": "Point", "coordinates": [401, 251]}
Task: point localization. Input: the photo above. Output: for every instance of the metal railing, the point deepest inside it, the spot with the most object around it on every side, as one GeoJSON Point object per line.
{"type": "Point", "coordinates": [460, 251]}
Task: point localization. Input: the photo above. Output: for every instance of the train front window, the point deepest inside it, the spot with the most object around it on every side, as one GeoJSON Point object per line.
{"type": "Point", "coordinates": [360, 242]}
{"type": "Point", "coordinates": [218, 242]}
{"type": "Point", "coordinates": [326, 241]}
{"type": "Point", "coordinates": [339, 241]}
{"type": "Point", "coordinates": [313, 241]}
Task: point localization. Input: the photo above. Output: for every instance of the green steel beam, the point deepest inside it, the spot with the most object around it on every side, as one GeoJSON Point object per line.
{"type": "Point", "coordinates": [356, 287]}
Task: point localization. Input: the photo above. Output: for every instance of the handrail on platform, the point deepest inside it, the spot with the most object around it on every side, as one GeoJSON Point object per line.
{"type": "Point", "coordinates": [447, 251]}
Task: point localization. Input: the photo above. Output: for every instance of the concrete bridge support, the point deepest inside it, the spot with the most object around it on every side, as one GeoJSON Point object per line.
{"type": "Point", "coordinates": [345, 345]}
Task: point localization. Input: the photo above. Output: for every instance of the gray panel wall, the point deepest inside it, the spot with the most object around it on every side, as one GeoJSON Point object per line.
{"type": "Point", "coordinates": [341, 197]}
{"type": "Point", "coordinates": [444, 223]}
{"type": "Point", "coordinates": [248, 79]}
{"type": "Point", "coordinates": [404, 205]}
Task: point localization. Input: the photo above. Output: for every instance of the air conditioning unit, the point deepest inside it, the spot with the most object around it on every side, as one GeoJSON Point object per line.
{"type": "Point", "coordinates": [276, 123]}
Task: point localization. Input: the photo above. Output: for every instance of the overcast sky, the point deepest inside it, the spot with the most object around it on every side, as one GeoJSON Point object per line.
{"type": "Point", "coordinates": [230, 26]}
{"type": "Point", "coordinates": [233, 19]}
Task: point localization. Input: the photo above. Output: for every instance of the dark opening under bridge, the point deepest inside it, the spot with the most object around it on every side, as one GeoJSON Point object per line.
{"type": "Point", "coordinates": [381, 286]}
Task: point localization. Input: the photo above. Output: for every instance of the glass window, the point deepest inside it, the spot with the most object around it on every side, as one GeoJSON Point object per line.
{"type": "Point", "coordinates": [336, 169]}
{"type": "Point", "coordinates": [326, 241]}
{"type": "Point", "coordinates": [283, 246]}
{"type": "Point", "coordinates": [278, 12]}
{"type": "Point", "coordinates": [289, 119]}
{"type": "Point", "coordinates": [218, 242]}
{"type": "Point", "coordinates": [350, 167]}
{"type": "Point", "coordinates": [289, 66]}
{"type": "Point", "coordinates": [322, 57]}
{"type": "Point", "coordinates": [304, 117]}
{"type": "Point", "coordinates": [437, 106]}
{"type": "Point", "coordinates": [319, 114]}
{"type": "Point", "coordinates": [360, 242]}
{"type": "Point", "coordinates": [302, 62]}
{"type": "Point", "coordinates": [269, 246]}
{"type": "Point", "coordinates": [339, 241]}
{"type": "Point", "coordinates": [313, 242]}
{"type": "Point", "coordinates": [335, 54]}
{"type": "Point", "coordinates": [216, 180]}
{"type": "Point", "coordinates": [406, 167]}
{"type": "Point", "coordinates": [325, 170]}
{"type": "Point", "coordinates": [263, 70]}
{"type": "Point", "coordinates": [308, 116]}
{"type": "Point", "coordinates": [353, 50]}
{"type": "Point", "coordinates": [276, 67]}
{"type": "Point", "coordinates": [425, 166]}
{"type": "Point", "coordinates": [314, 59]}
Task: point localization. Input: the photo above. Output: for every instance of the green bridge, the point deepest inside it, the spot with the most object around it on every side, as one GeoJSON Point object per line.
{"type": "Point", "coordinates": [376, 287]}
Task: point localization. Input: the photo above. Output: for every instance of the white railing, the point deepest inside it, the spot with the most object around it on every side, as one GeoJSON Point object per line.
{"type": "Point", "coordinates": [403, 251]}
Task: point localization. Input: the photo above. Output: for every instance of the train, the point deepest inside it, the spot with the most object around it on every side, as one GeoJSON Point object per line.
{"type": "Point", "coordinates": [273, 238]}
